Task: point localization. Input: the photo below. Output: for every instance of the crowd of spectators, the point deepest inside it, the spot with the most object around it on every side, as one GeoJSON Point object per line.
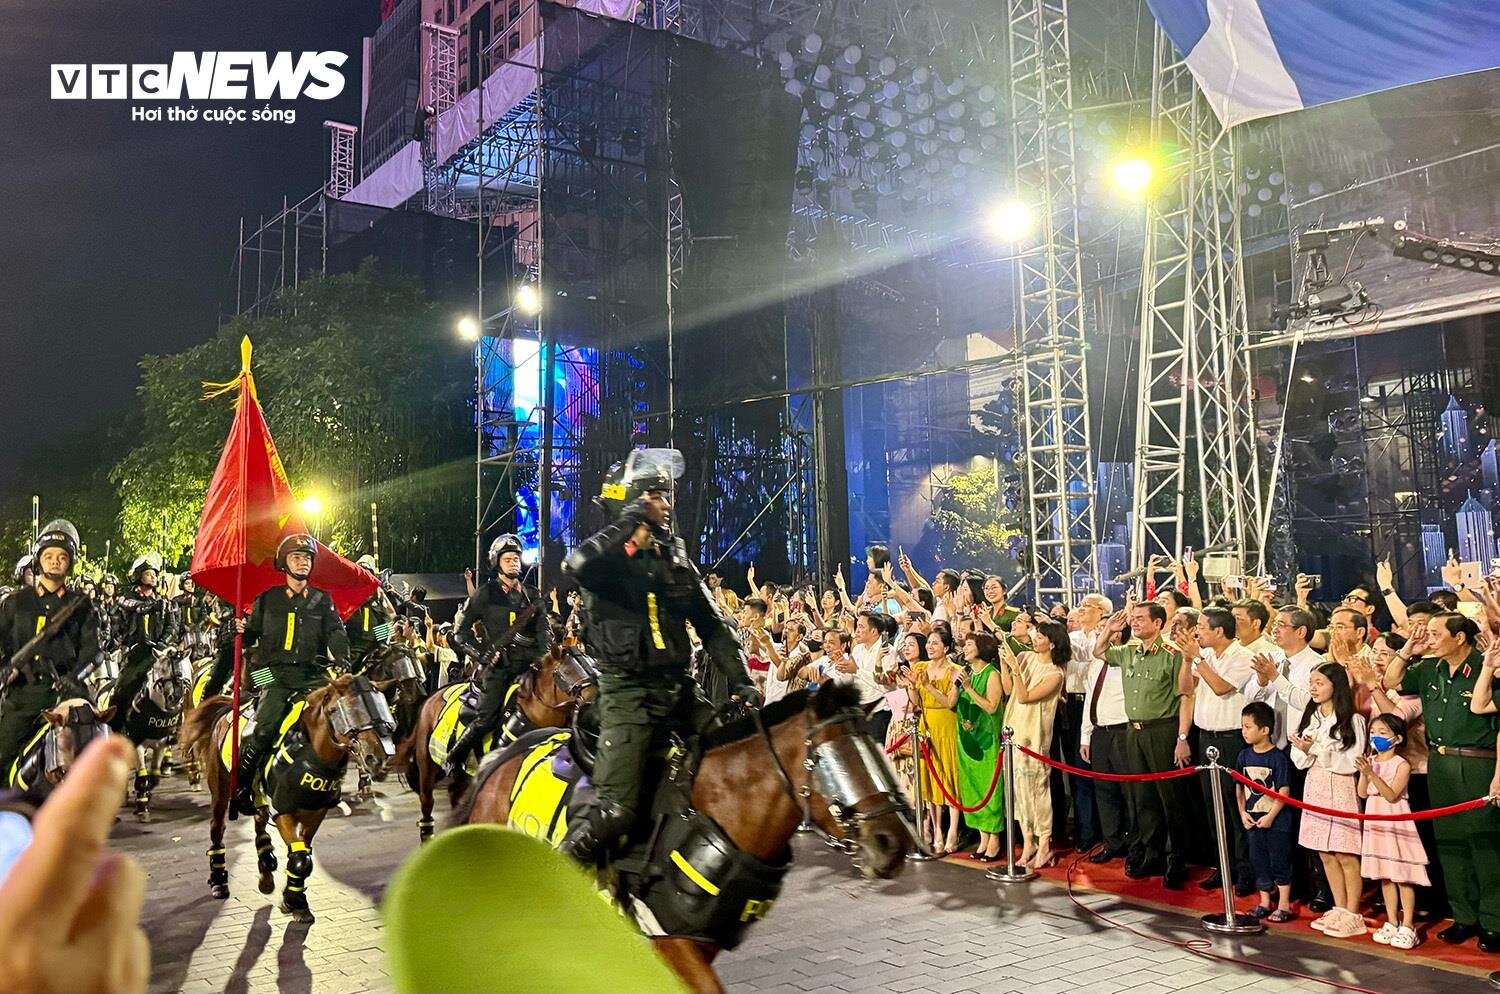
{"type": "Point", "coordinates": [1374, 704]}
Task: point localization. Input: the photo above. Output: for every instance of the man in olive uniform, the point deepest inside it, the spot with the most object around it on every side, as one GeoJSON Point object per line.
{"type": "Point", "coordinates": [294, 630]}
{"type": "Point", "coordinates": [41, 681]}
{"type": "Point", "coordinates": [1460, 764]}
{"type": "Point", "coordinates": [499, 604]}
{"type": "Point", "coordinates": [148, 624]}
{"type": "Point", "coordinates": [370, 626]}
{"type": "Point", "coordinates": [1158, 717]}
{"type": "Point", "coordinates": [642, 591]}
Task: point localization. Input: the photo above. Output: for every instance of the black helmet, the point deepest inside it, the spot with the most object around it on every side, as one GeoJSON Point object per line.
{"type": "Point", "coordinates": [501, 545]}
{"type": "Point", "coordinates": [26, 562]}
{"type": "Point", "coordinates": [58, 534]}
{"type": "Point", "coordinates": [110, 579]}
{"type": "Point", "coordinates": [642, 472]}
{"type": "Point", "coordinates": [143, 562]}
{"type": "Point", "coordinates": [295, 543]}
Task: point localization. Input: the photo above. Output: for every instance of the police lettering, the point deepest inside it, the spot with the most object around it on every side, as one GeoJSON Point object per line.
{"type": "Point", "coordinates": [320, 784]}
{"type": "Point", "coordinates": [755, 910]}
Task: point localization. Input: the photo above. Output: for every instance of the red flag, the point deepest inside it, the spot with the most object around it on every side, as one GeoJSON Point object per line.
{"type": "Point", "coordinates": [250, 508]}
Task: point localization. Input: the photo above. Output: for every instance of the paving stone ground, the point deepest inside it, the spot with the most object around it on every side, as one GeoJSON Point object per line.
{"type": "Point", "coordinates": [937, 929]}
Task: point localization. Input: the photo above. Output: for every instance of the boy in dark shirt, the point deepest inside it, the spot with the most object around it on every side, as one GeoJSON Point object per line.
{"type": "Point", "coordinates": [1268, 825]}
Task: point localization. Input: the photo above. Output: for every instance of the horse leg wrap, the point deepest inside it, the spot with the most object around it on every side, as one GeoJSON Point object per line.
{"type": "Point", "coordinates": [299, 866]}
{"type": "Point", "coordinates": [265, 854]}
{"type": "Point", "coordinates": [424, 828]}
{"type": "Point", "coordinates": [218, 873]}
{"type": "Point", "coordinates": [143, 784]}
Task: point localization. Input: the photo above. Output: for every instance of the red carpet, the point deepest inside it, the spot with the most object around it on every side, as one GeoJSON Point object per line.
{"type": "Point", "coordinates": [1110, 878]}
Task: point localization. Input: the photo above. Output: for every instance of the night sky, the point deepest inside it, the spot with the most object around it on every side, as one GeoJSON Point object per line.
{"type": "Point", "coordinates": [117, 237]}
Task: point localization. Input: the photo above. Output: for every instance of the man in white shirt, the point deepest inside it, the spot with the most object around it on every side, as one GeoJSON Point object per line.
{"type": "Point", "coordinates": [1220, 669]}
{"type": "Point", "coordinates": [1281, 678]}
{"type": "Point", "coordinates": [1084, 622]}
{"type": "Point", "coordinates": [1101, 746]}
{"type": "Point", "coordinates": [1250, 620]}
{"type": "Point", "coordinates": [871, 660]}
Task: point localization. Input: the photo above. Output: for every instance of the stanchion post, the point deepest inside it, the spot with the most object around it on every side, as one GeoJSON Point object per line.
{"type": "Point", "coordinates": [1012, 874]}
{"type": "Point", "coordinates": [914, 738]}
{"type": "Point", "coordinates": [1227, 923]}
{"type": "Point", "coordinates": [1495, 980]}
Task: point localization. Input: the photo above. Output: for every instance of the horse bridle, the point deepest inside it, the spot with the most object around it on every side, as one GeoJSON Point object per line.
{"type": "Point", "coordinates": [848, 772]}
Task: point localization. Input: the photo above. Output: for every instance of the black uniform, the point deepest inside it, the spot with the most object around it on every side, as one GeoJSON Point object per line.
{"type": "Point", "coordinates": [148, 623]}
{"type": "Point", "coordinates": [498, 607]}
{"type": "Point", "coordinates": [639, 603]}
{"type": "Point", "coordinates": [293, 635]}
{"type": "Point", "coordinates": [368, 628]}
{"type": "Point", "coordinates": [33, 685]}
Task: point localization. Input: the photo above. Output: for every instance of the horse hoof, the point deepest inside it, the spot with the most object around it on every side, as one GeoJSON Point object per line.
{"type": "Point", "coordinates": [143, 816]}
{"type": "Point", "coordinates": [301, 916]}
{"type": "Point", "coordinates": [267, 883]}
{"type": "Point", "coordinates": [219, 891]}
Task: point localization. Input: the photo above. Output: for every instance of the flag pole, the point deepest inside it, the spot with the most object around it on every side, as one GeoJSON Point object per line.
{"type": "Point", "coordinates": [239, 591]}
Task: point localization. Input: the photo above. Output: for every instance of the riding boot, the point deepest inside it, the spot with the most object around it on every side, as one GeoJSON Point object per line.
{"type": "Point", "coordinates": [244, 797]}
{"type": "Point", "coordinates": [470, 740]}
{"type": "Point", "coordinates": [596, 831]}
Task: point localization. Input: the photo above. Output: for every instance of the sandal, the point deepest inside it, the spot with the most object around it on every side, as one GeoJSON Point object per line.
{"type": "Point", "coordinates": [1281, 916]}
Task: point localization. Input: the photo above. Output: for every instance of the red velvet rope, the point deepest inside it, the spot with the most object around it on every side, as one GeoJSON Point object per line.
{"type": "Point", "coordinates": [1166, 775]}
{"type": "Point", "coordinates": [894, 746]}
{"type": "Point", "coordinates": [953, 801]}
{"type": "Point", "coordinates": [1451, 809]}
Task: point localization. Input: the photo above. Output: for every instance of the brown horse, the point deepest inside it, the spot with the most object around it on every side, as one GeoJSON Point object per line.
{"type": "Point", "coordinates": [811, 758]}
{"type": "Point", "coordinates": [60, 738]}
{"type": "Point", "coordinates": [547, 696]}
{"type": "Point", "coordinates": [348, 717]}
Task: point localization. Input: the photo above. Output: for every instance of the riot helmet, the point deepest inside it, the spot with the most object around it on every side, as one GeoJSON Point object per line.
{"type": "Point", "coordinates": [147, 562]}
{"type": "Point", "coordinates": [300, 542]}
{"type": "Point", "coordinates": [644, 471]}
{"type": "Point", "coordinates": [26, 563]}
{"type": "Point", "coordinates": [58, 534]}
{"type": "Point", "coordinates": [502, 545]}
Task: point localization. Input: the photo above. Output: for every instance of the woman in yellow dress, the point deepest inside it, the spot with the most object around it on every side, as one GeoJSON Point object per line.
{"type": "Point", "coordinates": [933, 681]}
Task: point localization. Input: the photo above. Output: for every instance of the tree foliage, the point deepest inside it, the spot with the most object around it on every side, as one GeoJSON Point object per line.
{"type": "Point", "coordinates": [970, 526]}
{"type": "Point", "coordinates": [365, 391]}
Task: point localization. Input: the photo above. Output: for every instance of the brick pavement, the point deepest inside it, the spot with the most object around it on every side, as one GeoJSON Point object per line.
{"type": "Point", "coordinates": [938, 929]}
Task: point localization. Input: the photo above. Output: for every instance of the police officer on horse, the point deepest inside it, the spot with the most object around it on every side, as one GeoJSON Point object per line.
{"type": "Point", "coordinates": [294, 629]}
{"type": "Point", "coordinates": [369, 627]}
{"type": "Point", "coordinates": [641, 592]}
{"type": "Point", "coordinates": [502, 604]}
{"type": "Point", "coordinates": [147, 624]}
{"type": "Point", "coordinates": [56, 665]}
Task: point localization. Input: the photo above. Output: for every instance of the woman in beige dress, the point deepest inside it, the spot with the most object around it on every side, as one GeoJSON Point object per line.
{"type": "Point", "coordinates": [1033, 683]}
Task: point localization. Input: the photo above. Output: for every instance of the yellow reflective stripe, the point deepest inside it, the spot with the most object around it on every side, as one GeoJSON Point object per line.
{"type": "Point", "coordinates": [297, 845]}
{"type": "Point", "coordinates": [41, 622]}
{"type": "Point", "coordinates": [693, 874]}
{"type": "Point", "coordinates": [656, 638]}
{"type": "Point", "coordinates": [367, 619]}
{"type": "Point", "coordinates": [148, 624]}
{"type": "Point", "coordinates": [512, 618]}
{"type": "Point", "coordinates": [291, 631]}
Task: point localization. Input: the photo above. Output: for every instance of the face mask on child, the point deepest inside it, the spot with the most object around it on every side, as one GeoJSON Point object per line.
{"type": "Point", "coordinates": [1381, 743]}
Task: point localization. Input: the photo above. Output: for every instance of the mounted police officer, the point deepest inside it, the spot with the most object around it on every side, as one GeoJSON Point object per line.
{"type": "Point", "coordinates": [148, 623]}
{"type": "Point", "coordinates": [54, 668]}
{"type": "Point", "coordinates": [501, 604]}
{"type": "Point", "coordinates": [23, 576]}
{"type": "Point", "coordinates": [108, 608]}
{"type": "Point", "coordinates": [189, 606]}
{"type": "Point", "coordinates": [370, 626]}
{"type": "Point", "coordinates": [641, 591]}
{"type": "Point", "coordinates": [294, 629]}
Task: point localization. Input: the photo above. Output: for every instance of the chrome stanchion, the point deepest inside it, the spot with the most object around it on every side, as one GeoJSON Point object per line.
{"type": "Point", "coordinates": [921, 853]}
{"type": "Point", "coordinates": [1495, 980]}
{"type": "Point", "coordinates": [1012, 874]}
{"type": "Point", "coordinates": [1228, 922]}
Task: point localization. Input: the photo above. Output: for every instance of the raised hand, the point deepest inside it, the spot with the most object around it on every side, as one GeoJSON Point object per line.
{"type": "Point", "coordinates": [1383, 574]}
{"type": "Point", "coordinates": [838, 579]}
{"type": "Point", "coordinates": [1118, 621]}
{"type": "Point", "coordinates": [1453, 573]}
{"type": "Point", "coordinates": [1190, 567]}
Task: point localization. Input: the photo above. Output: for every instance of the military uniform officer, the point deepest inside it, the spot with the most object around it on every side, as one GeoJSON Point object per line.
{"type": "Point", "coordinates": [498, 605]}
{"type": "Point", "coordinates": [641, 592]}
{"type": "Point", "coordinates": [1156, 740]}
{"type": "Point", "coordinates": [33, 685]}
{"type": "Point", "coordinates": [294, 629]}
{"type": "Point", "coordinates": [148, 622]}
{"type": "Point", "coordinates": [370, 626]}
{"type": "Point", "coordinates": [1460, 764]}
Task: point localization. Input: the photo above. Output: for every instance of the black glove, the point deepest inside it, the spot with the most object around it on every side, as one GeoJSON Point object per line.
{"type": "Point", "coordinates": [747, 695]}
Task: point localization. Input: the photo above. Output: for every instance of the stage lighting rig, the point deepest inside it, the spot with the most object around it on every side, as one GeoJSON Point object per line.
{"type": "Point", "coordinates": [1323, 296]}
{"type": "Point", "coordinates": [1473, 257]}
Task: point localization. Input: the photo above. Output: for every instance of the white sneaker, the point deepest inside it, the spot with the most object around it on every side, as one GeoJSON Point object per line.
{"type": "Point", "coordinates": [1346, 925]}
{"type": "Point", "coordinates": [1405, 938]}
{"type": "Point", "coordinates": [1325, 920]}
{"type": "Point", "coordinates": [1386, 934]}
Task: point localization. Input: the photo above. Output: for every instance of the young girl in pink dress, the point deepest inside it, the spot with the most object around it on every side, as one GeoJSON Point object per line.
{"type": "Point", "coordinates": [1392, 850]}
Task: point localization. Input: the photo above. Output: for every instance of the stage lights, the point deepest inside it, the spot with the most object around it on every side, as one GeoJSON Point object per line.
{"type": "Point", "coordinates": [528, 299]}
{"type": "Point", "coordinates": [468, 329]}
{"type": "Point", "coordinates": [1133, 174]}
{"type": "Point", "coordinates": [1010, 221]}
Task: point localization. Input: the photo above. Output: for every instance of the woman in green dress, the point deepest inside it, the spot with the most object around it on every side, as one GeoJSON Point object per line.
{"type": "Point", "coordinates": [979, 720]}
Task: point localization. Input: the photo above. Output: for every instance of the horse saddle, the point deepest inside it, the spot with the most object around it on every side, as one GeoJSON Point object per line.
{"type": "Point", "coordinates": [460, 704]}
{"type": "Point", "coordinates": [247, 727]}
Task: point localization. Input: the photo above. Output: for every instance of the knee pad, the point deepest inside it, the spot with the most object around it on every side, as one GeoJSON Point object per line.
{"type": "Point", "coordinates": [299, 863]}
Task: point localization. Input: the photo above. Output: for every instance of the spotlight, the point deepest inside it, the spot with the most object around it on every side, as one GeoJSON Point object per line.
{"type": "Point", "coordinates": [1010, 221]}
{"type": "Point", "coordinates": [312, 506]}
{"type": "Point", "coordinates": [528, 299]}
{"type": "Point", "coordinates": [1133, 175]}
{"type": "Point", "coordinates": [468, 329]}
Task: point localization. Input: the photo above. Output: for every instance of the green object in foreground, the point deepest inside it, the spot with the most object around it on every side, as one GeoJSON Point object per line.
{"type": "Point", "coordinates": [484, 908]}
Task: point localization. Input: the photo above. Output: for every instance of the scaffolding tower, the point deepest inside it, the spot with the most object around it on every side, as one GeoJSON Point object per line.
{"type": "Point", "coordinates": [1050, 326]}
{"type": "Point", "coordinates": [1194, 397]}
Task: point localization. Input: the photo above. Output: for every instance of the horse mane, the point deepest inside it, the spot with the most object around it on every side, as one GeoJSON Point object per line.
{"type": "Point", "coordinates": [826, 701]}
{"type": "Point", "coordinates": [317, 698]}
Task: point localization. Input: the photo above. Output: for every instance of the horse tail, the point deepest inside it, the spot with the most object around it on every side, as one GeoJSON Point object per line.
{"type": "Point", "coordinates": [197, 732]}
{"type": "Point", "coordinates": [405, 756]}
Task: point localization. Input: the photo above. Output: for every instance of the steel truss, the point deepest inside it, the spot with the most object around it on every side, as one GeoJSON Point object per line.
{"type": "Point", "coordinates": [1050, 328]}
{"type": "Point", "coordinates": [340, 158]}
{"type": "Point", "coordinates": [440, 76]}
{"type": "Point", "coordinates": [1194, 398]}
